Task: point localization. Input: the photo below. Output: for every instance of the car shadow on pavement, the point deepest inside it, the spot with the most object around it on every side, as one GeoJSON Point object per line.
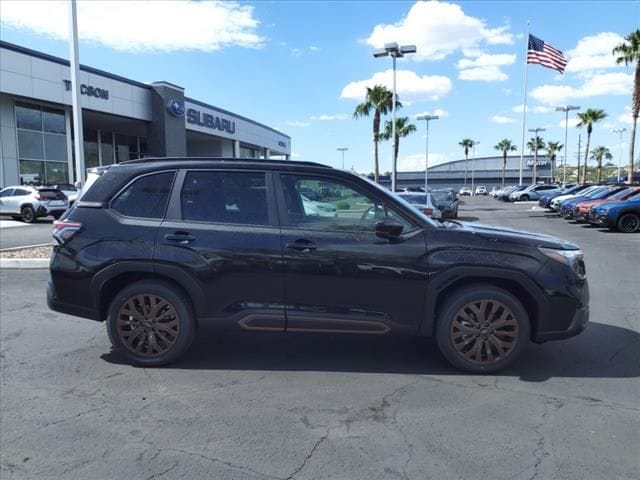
{"type": "Point", "coordinates": [601, 351]}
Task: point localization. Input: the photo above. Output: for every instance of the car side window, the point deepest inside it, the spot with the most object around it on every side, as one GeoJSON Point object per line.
{"type": "Point", "coordinates": [331, 205]}
{"type": "Point", "coordinates": [20, 192]}
{"type": "Point", "coordinates": [225, 197]}
{"type": "Point", "coordinates": [146, 197]}
{"type": "Point", "coordinates": [6, 192]}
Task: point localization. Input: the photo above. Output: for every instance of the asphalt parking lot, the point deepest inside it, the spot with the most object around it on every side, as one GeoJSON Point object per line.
{"type": "Point", "coordinates": [15, 233]}
{"type": "Point", "coordinates": [295, 406]}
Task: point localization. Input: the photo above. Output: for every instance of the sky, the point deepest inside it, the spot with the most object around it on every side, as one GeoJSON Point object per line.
{"type": "Point", "coordinates": [303, 67]}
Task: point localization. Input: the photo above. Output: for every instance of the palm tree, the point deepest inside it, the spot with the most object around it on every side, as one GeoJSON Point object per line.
{"type": "Point", "coordinates": [588, 118]}
{"type": "Point", "coordinates": [505, 146]}
{"type": "Point", "coordinates": [403, 128]}
{"type": "Point", "coordinates": [629, 52]}
{"type": "Point", "coordinates": [466, 143]}
{"type": "Point", "coordinates": [598, 154]}
{"type": "Point", "coordinates": [378, 99]}
{"type": "Point", "coordinates": [552, 149]}
{"type": "Point", "coordinates": [535, 145]}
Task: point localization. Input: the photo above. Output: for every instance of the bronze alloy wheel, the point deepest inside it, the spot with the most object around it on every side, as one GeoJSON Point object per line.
{"type": "Point", "coordinates": [148, 325]}
{"type": "Point", "coordinates": [484, 331]}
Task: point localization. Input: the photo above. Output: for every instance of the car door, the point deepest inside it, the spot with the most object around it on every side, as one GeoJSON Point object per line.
{"type": "Point", "coordinates": [5, 200]}
{"type": "Point", "coordinates": [19, 197]}
{"type": "Point", "coordinates": [221, 232]}
{"type": "Point", "coordinates": [339, 276]}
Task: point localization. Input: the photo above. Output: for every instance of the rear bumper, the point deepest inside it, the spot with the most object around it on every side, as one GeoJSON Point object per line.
{"type": "Point", "coordinates": [55, 304]}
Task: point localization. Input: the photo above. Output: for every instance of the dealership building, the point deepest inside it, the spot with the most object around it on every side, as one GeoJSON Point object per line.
{"type": "Point", "coordinates": [123, 119]}
{"type": "Point", "coordinates": [485, 171]}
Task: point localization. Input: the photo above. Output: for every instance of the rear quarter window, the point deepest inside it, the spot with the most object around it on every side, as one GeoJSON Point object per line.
{"type": "Point", "coordinates": [145, 197]}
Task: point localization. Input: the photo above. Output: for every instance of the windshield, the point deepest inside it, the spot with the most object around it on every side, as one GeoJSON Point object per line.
{"type": "Point", "coordinates": [414, 199]}
{"type": "Point", "coordinates": [621, 194]}
{"type": "Point", "coordinates": [442, 196]}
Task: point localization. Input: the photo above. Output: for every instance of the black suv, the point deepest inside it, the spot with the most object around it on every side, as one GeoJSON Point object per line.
{"type": "Point", "coordinates": [156, 246]}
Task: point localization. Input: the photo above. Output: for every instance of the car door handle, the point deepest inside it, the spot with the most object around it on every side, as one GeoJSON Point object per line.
{"type": "Point", "coordinates": [302, 246]}
{"type": "Point", "coordinates": [182, 238]}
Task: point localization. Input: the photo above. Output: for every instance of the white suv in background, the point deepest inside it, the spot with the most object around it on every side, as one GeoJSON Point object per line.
{"type": "Point", "coordinates": [481, 190]}
{"type": "Point", "coordinates": [29, 203]}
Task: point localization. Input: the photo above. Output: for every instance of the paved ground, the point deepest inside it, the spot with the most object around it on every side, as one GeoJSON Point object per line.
{"type": "Point", "coordinates": [14, 233]}
{"type": "Point", "coordinates": [309, 407]}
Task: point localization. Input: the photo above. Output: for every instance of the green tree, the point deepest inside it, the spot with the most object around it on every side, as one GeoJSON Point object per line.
{"type": "Point", "coordinates": [628, 52]}
{"type": "Point", "coordinates": [600, 153]}
{"type": "Point", "coordinates": [466, 144]}
{"type": "Point", "coordinates": [505, 146]}
{"type": "Point", "coordinates": [378, 100]}
{"type": "Point", "coordinates": [403, 128]}
{"type": "Point", "coordinates": [588, 118]}
{"type": "Point", "coordinates": [552, 149]}
{"type": "Point", "coordinates": [535, 145]}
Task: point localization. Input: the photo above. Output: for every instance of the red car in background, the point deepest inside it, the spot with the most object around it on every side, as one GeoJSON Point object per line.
{"type": "Point", "coordinates": [581, 211]}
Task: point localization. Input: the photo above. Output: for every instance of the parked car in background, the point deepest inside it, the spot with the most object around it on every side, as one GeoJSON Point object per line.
{"type": "Point", "coordinates": [319, 209]}
{"type": "Point", "coordinates": [445, 201]}
{"type": "Point", "coordinates": [423, 202]}
{"type": "Point", "coordinates": [545, 200]}
{"type": "Point", "coordinates": [504, 194]}
{"type": "Point", "coordinates": [69, 190]}
{"type": "Point", "coordinates": [29, 203]}
{"type": "Point", "coordinates": [568, 207]}
{"type": "Point", "coordinates": [480, 190]}
{"type": "Point", "coordinates": [555, 202]}
{"type": "Point", "coordinates": [493, 191]}
{"type": "Point", "coordinates": [465, 191]}
{"type": "Point", "coordinates": [623, 215]}
{"type": "Point", "coordinates": [582, 210]}
{"type": "Point", "coordinates": [532, 192]}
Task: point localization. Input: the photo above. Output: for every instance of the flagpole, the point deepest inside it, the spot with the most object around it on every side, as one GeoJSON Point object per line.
{"type": "Point", "coordinates": [524, 102]}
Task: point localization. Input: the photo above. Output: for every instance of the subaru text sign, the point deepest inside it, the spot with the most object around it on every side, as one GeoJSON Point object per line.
{"type": "Point", "coordinates": [210, 121]}
{"type": "Point", "coordinates": [176, 108]}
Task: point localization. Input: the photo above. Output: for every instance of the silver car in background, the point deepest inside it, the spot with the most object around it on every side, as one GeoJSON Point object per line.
{"type": "Point", "coordinates": [29, 203]}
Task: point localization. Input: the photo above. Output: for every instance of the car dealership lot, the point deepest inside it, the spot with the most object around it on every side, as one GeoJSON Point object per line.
{"type": "Point", "coordinates": [326, 406]}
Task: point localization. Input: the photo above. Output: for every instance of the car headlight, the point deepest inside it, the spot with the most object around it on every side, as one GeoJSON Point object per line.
{"type": "Point", "coordinates": [571, 258]}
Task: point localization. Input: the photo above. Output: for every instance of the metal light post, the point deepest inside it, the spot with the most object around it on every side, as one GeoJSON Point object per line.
{"type": "Point", "coordinates": [473, 165]}
{"type": "Point", "coordinates": [566, 109]}
{"type": "Point", "coordinates": [619, 130]}
{"type": "Point", "coordinates": [76, 103]}
{"type": "Point", "coordinates": [342, 149]}
{"type": "Point", "coordinates": [535, 153]}
{"type": "Point", "coordinates": [427, 118]}
{"type": "Point", "coordinates": [394, 51]}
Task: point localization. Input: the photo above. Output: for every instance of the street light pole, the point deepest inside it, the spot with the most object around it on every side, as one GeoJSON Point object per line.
{"type": "Point", "coordinates": [342, 149]}
{"type": "Point", "coordinates": [473, 165]}
{"type": "Point", "coordinates": [535, 152]}
{"type": "Point", "coordinates": [566, 109]}
{"type": "Point", "coordinates": [427, 118]}
{"type": "Point", "coordinates": [394, 51]}
{"type": "Point", "coordinates": [619, 130]}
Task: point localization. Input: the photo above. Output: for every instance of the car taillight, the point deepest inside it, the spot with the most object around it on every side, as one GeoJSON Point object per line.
{"type": "Point", "coordinates": [428, 211]}
{"type": "Point", "coordinates": [38, 197]}
{"type": "Point", "coordinates": [64, 230]}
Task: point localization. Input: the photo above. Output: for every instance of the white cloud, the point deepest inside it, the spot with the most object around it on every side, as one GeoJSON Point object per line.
{"type": "Point", "coordinates": [593, 52]}
{"type": "Point", "coordinates": [530, 109]}
{"type": "Point", "coordinates": [296, 123]}
{"type": "Point", "coordinates": [502, 120]}
{"type": "Point", "coordinates": [438, 112]}
{"type": "Point", "coordinates": [296, 52]}
{"type": "Point", "coordinates": [625, 118]}
{"type": "Point", "coordinates": [328, 118]}
{"type": "Point", "coordinates": [416, 161]}
{"type": "Point", "coordinates": [314, 49]}
{"type": "Point", "coordinates": [483, 74]}
{"type": "Point", "coordinates": [137, 26]}
{"type": "Point", "coordinates": [607, 84]}
{"type": "Point", "coordinates": [486, 60]}
{"type": "Point", "coordinates": [410, 86]}
{"type": "Point", "coordinates": [438, 29]}
{"type": "Point", "coordinates": [573, 121]}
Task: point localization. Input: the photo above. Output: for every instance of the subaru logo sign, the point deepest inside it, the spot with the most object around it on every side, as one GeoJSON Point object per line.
{"type": "Point", "coordinates": [176, 108]}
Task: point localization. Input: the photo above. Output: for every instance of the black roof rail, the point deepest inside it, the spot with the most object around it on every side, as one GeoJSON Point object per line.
{"type": "Point", "coordinates": [224, 160]}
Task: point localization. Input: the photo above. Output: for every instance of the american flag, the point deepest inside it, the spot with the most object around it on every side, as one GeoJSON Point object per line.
{"type": "Point", "coordinates": [544, 54]}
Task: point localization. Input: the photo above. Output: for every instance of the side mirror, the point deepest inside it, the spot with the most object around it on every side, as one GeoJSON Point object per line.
{"type": "Point", "coordinates": [388, 228]}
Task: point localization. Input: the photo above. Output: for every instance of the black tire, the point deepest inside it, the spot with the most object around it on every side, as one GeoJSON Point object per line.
{"type": "Point", "coordinates": [28, 214]}
{"type": "Point", "coordinates": [171, 342]}
{"type": "Point", "coordinates": [57, 215]}
{"type": "Point", "coordinates": [524, 198]}
{"type": "Point", "coordinates": [502, 311]}
{"type": "Point", "coordinates": [628, 222]}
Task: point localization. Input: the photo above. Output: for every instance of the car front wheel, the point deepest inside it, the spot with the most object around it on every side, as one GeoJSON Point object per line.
{"type": "Point", "coordinates": [150, 323]}
{"type": "Point", "coordinates": [629, 223]}
{"type": "Point", "coordinates": [482, 329]}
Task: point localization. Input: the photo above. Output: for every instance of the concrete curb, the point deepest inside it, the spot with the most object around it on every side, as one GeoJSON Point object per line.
{"type": "Point", "coordinates": [24, 263]}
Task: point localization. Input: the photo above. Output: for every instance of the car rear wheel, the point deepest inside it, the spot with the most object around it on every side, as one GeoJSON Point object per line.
{"type": "Point", "coordinates": [150, 323]}
{"type": "Point", "coordinates": [28, 214]}
{"type": "Point", "coordinates": [57, 215]}
{"type": "Point", "coordinates": [629, 223]}
{"type": "Point", "coordinates": [524, 198]}
{"type": "Point", "coordinates": [482, 329]}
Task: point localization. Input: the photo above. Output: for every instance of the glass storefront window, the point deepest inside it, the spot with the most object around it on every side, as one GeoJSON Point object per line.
{"type": "Point", "coordinates": [28, 116]}
{"type": "Point", "coordinates": [126, 146]}
{"type": "Point", "coordinates": [53, 121]}
{"type": "Point", "coordinates": [57, 172]}
{"type": "Point", "coordinates": [55, 147]}
{"type": "Point", "coordinates": [30, 145]}
{"type": "Point", "coordinates": [31, 172]}
{"type": "Point", "coordinates": [91, 158]}
{"type": "Point", "coordinates": [106, 147]}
